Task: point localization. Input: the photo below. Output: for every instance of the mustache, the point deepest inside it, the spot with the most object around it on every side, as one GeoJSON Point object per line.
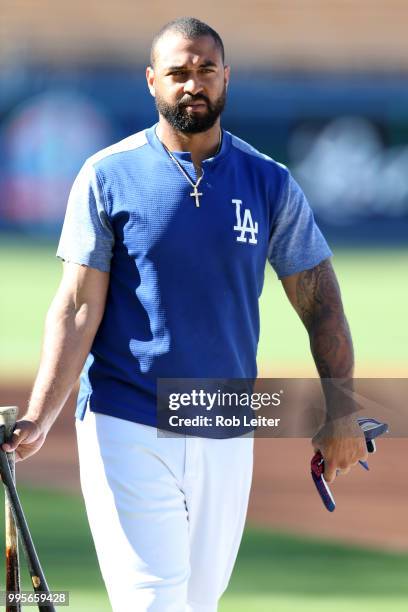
{"type": "Point", "coordinates": [186, 100]}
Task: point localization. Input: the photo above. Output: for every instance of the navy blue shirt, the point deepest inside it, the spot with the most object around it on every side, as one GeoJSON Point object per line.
{"type": "Point", "coordinates": [184, 280]}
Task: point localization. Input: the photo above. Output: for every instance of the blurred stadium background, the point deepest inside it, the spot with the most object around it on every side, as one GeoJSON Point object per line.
{"type": "Point", "coordinates": [320, 86]}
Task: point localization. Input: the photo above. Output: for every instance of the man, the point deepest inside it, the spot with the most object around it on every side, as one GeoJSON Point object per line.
{"type": "Point", "coordinates": [164, 245]}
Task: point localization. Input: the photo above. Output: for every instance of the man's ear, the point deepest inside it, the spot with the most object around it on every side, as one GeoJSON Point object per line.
{"type": "Point", "coordinates": [227, 74]}
{"type": "Point", "coordinates": [150, 80]}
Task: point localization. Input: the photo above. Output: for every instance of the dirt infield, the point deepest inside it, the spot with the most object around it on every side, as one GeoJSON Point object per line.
{"type": "Point", "coordinates": [371, 506]}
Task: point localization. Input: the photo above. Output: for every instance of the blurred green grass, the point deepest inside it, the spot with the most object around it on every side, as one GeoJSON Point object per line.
{"type": "Point", "coordinates": [374, 286]}
{"type": "Point", "coordinates": [273, 572]}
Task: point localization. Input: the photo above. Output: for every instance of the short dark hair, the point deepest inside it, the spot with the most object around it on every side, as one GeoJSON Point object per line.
{"type": "Point", "coordinates": [189, 27]}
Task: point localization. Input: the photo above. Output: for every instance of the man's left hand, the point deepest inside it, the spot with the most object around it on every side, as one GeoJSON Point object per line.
{"type": "Point", "coordinates": [342, 444]}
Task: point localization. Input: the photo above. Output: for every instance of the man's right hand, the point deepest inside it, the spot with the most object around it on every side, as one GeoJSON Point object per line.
{"type": "Point", "coordinates": [27, 439]}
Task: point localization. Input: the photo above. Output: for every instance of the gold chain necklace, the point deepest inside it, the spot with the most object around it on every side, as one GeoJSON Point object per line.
{"type": "Point", "coordinates": [194, 194]}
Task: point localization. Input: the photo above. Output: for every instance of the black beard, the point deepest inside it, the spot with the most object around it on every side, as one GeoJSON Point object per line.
{"type": "Point", "coordinates": [188, 123]}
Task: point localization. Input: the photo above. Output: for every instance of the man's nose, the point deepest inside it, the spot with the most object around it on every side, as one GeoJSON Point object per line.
{"type": "Point", "coordinates": [193, 85]}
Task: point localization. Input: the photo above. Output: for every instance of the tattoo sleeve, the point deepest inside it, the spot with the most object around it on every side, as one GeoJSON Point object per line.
{"type": "Point", "coordinates": [320, 307]}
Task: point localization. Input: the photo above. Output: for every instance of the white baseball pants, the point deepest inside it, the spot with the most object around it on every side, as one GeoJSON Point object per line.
{"type": "Point", "coordinates": [166, 514]}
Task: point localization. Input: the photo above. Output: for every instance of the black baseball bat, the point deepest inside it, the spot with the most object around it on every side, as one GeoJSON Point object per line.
{"type": "Point", "coordinates": [34, 567]}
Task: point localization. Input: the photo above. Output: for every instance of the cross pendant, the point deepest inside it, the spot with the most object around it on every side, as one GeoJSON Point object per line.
{"type": "Point", "coordinates": [195, 194]}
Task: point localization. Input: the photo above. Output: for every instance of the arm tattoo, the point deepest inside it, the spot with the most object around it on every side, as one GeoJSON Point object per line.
{"type": "Point", "coordinates": [321, 310]}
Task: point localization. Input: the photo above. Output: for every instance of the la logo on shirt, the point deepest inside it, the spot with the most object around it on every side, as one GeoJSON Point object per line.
{"type": "Point", "coordinates": [246, 227]}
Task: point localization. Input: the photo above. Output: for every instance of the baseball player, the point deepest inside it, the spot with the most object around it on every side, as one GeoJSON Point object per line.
{"type": "Point", "coordinates": [164, 243]}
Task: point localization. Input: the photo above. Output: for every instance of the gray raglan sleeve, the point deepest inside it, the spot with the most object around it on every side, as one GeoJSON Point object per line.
{"type": "Point", "coordinates": [296, 243]}
{"type": "Point", "coordinates": [87, 236]}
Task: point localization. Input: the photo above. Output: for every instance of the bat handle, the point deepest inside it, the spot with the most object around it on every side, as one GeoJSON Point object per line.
{"type": "Point", "coordinates": [8, 417]}
{"type": "Point", "coordinates": [12, 554]}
